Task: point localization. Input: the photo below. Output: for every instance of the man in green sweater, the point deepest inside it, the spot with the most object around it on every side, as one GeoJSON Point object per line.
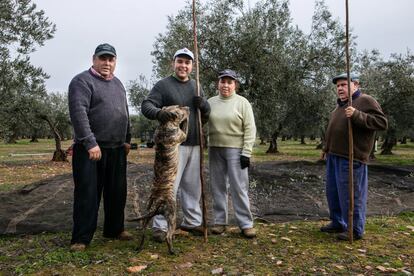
{"type": "Point", "coordinates": [366, 117]}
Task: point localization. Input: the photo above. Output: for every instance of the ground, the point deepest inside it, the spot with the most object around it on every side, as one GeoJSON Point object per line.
{"type": "Point", "coordinates": [36, 201]}
{"type": "Point", "coordinates": [279, 191]}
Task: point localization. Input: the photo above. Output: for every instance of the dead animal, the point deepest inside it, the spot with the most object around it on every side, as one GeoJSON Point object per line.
{"type": "Point", "coordinates": [167, 138]}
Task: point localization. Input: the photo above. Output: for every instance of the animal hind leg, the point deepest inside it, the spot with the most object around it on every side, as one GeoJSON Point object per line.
{"type": "Point", "coordinates": [171, 220]}
{"type": "Point", "coordinates": [144, 226]}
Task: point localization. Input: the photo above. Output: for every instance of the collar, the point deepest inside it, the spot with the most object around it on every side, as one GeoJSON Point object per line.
{"type": "Point", "coordinates": [177, 78]}
{"type": "Point", "coordinates": [227, 98]}
{"type": "Point", "coordinates": [354, 96]}
{"type": "Point", "coordinates": [97, 74]}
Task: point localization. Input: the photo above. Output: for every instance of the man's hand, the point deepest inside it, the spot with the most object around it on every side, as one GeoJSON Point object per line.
{"type": "Point", "coordinates": [198, 101]}
{"type": "Point", "coordinates": [323, 156]}
{"type": "Point", "coordinates": [244, 162]}
{"type": "Point", "coordinates": [164, 116]}
{"type": "Point", "coordinates": [127, 148]}
{"type": "Point", "coordinates": [349, 111]}
{"type": "Point", "coordinates": [95, 153]}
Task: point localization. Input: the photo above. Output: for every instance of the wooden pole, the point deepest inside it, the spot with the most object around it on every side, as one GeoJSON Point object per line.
{"type": "Point", "coordinates": [200, 125]}
{"type": "Point", "coordinates": [350, 138]}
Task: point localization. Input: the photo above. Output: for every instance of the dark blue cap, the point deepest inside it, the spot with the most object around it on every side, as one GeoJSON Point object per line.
{"type": "Point", "coordinates": [228, 73]}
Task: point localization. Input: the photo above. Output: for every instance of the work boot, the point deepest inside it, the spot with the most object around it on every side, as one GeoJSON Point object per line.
{"type": "Point", "coordinates": [196, 231]}
{"type": "Point", "coordinates": [124, 236]}
{"type": "Point", "coordinates": [249, 233]}
{"type": "Point", "coordinates": [344, 236]}
{"type": "Point", "coordinates": [330, 228]}
{"type": "Point", "coordinates": [78, 247]}
{"type": "Point", "coordinates": [158, 235]}
{"type": "Point", "coordinates": [218, 229]}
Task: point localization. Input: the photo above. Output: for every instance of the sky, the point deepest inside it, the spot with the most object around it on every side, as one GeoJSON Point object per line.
{"type": "Point", "coordinates": [131, 26]}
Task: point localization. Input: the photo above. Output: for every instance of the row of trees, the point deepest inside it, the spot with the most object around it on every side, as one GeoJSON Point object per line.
{"type": "Point", "coordinates": [26, 109]}
{"type": "Point", "coordinates": [285, 73]}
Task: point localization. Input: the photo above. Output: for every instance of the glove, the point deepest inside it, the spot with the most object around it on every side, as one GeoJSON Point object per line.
{"type": "Point", "coordinates": [198, 102]}
{"type": "Point", "coordinates": [244, 162]}
{"type": "Point", "coordinates": [164, 116]}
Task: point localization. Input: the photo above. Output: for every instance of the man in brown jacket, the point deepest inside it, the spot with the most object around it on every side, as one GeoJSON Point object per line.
{"type": "Point", "coordinates": [366, 118]}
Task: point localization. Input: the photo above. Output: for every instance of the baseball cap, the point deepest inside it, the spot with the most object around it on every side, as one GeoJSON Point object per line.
{"type": "Point", "coordinates": [344, 76]}
{"type": "Point", "coordinates": [228, 73]}
{"type": "Point", "coordinates": [105, 49]}
{"type": "Point", "coordinates": [184, 51]}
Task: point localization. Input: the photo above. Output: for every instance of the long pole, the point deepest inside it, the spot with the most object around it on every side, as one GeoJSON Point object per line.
{"type": "Point", "coordinates": [350, 138]}
{"type": "Point", "coordinates": [200, 125]}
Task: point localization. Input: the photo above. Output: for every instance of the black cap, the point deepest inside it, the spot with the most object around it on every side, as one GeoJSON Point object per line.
{"type": "Point", "coordinates": [105, 49]}
{"type": "Point", "coordinates": [228, 73]}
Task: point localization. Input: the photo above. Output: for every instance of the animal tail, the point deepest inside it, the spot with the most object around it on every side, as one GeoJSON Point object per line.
{"type": "Point", "coordinates": [153, 210]}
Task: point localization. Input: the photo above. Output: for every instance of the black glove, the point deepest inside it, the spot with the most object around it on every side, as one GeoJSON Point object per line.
{"type": "Point", "coordinates": [244, 162]}
{"type": "Point", "coordinates": [198, 102]}
{"type": "Point", "coordinates": [164, 116]}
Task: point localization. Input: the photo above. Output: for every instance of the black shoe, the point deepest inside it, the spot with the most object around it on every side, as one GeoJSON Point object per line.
{"type": "Point", "coordinates": [344, 236]}
{"type": "Point", "coordinates": [159, 235]}
{"type": "Point", "coordinates": [196, 231]}
{"type": "Point", "coordinates": [331, 229]}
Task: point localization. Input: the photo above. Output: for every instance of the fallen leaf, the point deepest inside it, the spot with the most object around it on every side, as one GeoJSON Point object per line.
{"type": "Point", "coordinates": [154, 256]}
{"type": "Point", "coordinates": [339, 267]}
{"type": "Point", "coordinates": [381, 268]}
{"type": "Point", "coordinates": [136, 269]}
{"type": "Point", "coordinates": [217, 271]}
{"type": "Point", "coordinates": [348, 247]}
{"type": "Point", "coordinates": [279, 262]}
{"type": "Point", "coordinates": [286, 239]}
{"type": "Point", "coordinates": [273, 240]}
{"type": "Point", "coordinates": [293, 227]}
{"type": "Point", "coordinates": [410, 227]}
{"type": "Point", "coordinates": [271, 234]}
{"type": "Point", "coordinates": [185, 265]}
{"type": "Point", "coordinates": [362, 250]}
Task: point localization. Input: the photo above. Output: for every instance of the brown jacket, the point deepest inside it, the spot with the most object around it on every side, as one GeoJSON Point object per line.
{"type": "Point", "coordinates": [367, 118]}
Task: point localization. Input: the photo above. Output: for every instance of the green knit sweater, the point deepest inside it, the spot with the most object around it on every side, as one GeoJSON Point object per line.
{"type": "Point", "coordinates": [231, 123]}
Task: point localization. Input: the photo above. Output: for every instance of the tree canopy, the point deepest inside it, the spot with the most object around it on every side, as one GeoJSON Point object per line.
{"type": "Point", "coordinates": [22, 29]}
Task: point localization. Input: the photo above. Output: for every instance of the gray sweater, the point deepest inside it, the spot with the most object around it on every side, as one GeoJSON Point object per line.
{"type": "Point", "coordinates": [171, 91]}
{"type": "Point", "coordinates": [98, 111]}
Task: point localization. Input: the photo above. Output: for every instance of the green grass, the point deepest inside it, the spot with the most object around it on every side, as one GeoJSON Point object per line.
{"type": "Point", "coordinates": [292, 150]}
{"type": "Point", "coordinates": [281, 248]}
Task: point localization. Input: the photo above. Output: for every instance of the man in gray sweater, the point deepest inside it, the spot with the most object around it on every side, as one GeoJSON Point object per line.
{"type": "Point", "coordinates": [179, 89]}
{"type": "Point", "coordinates": [99, 114]}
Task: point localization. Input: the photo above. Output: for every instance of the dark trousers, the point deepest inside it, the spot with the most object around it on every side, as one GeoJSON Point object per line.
{"type": "Point", "coordinates": [337, 193]}
{"type": "Point", "coordinates": [92, 178]}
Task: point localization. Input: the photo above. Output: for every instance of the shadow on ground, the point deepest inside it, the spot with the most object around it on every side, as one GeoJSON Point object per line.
{"type": "Point", "coordinates": [280, 191]}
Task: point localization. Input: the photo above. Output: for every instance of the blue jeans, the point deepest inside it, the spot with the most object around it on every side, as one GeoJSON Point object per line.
{"type": "Point", "coordinates": [337, 193]}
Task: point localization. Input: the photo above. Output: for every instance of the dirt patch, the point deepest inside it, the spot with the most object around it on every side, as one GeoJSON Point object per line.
{"type": "Point", "coordinates": [280, 191]}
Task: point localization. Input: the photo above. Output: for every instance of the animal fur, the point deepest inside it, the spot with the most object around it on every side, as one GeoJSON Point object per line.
{"type": "Point", "coordinates": [162, 200]}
